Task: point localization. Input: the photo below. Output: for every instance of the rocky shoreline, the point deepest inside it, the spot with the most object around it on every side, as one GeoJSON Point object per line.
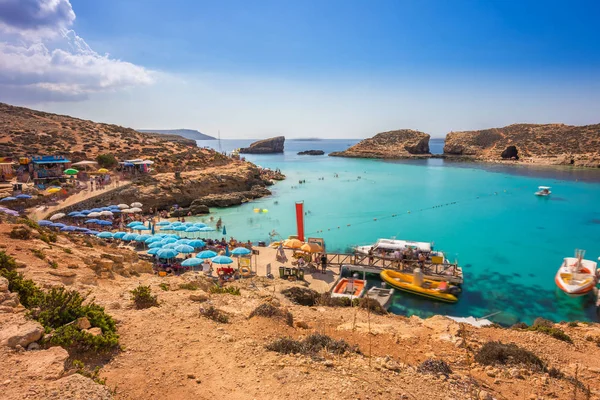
{"type": "Point", "coordinates": [266, 146]}
{"type": "Point", "coordinates": [193, 191]}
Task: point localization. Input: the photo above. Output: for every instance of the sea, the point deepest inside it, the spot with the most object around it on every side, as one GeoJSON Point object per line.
{"type": "Point", "coordinates": [508, 241]}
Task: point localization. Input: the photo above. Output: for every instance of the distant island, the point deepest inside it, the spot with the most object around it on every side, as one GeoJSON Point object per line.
{"type": "Point", "coordinates": [186, 133]}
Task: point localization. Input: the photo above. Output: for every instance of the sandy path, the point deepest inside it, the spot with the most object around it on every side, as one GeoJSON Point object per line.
{"type": "Point", "coordinates": [42, 211]}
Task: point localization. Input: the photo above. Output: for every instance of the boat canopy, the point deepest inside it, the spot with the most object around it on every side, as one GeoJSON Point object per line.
{"type": "Point", "coordinates": [390, 244]}
{"type": "Point", "coordinates": [544, 187]}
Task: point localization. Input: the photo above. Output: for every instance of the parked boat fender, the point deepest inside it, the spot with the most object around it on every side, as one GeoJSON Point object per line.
{"type": "Point", "coordinates": [418, 277]}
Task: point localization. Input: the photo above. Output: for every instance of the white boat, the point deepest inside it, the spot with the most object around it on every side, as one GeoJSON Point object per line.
{"type": "Point", "coordinates": [543, 191]}
{"type": "Point", "coordinates": [576, 276]}
{"type": "Point", "coordinates": [392, 245]}
{"type": "Point", "coordinates": [351, 288]}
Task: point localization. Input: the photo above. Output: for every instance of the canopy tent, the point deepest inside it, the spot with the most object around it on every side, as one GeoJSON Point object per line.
{"type": "Point", "coordinates": [84, 163]}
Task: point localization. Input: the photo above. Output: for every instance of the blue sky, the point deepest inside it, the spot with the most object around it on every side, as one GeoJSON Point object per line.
{"type": "Point", "coordinates": [332, 68]}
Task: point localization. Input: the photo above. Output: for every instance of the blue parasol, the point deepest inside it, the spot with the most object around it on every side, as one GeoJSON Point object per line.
{"type": "Point", "coordinates": [44, 222]}
{"type": "Point", "coordinates": [206, 254]}
{"type": "Point", "coordinates": [105, 235]}
{"type": "Point", "coordinates": [222, 260]}
{"type": "Point", "coordinates": [197, 244]}
{"type": "Point", "coordinates": [191, 262]}
{"type": "Point", "coordinates": [184, 248]}
{"type": "Point", "coordinates": [167, 253]}
{"type": "Point", "coordinates": [240, 251]}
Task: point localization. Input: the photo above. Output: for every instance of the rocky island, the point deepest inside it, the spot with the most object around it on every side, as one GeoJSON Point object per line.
{"type": "Point", "coordinates": [311, 153]}
{"type": "Point", "coordinates": [404, 143]}
{"type": "Point", "coordinates": [549, 144]}
{"type": "Point", "coordinates": [266, 146]}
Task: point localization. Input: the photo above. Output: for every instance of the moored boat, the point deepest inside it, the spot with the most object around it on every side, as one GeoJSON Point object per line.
{"type": "Point", "coordinates": [351, 288]}
{"type": "Point", "coordinates": [420, 286]}
{"type": "Point", "coordinates": [543, 191]}
{"type": "Point", "coordinates": [577, 276]}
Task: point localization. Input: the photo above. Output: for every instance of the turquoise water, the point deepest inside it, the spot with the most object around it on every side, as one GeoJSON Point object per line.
{"type": "Point", "coordinates": [508, 241]}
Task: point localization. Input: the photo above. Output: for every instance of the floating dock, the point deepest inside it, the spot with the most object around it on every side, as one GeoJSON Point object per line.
{"type": "Point", "coordinates": [451, 273]}
{"type": "Point", "coordinates": [382, 295]}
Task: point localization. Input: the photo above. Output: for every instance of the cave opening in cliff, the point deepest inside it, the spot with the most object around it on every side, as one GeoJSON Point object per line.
{"type": "Point", "coordinates": [510, 152]}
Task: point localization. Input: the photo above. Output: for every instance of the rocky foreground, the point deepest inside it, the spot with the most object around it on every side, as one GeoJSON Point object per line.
{"type": "Point", "coordinates": [556, 144]}
{"type": "Point", "coordinates": [404, 143]}
{"type": "Point", "coordinates": [266, 346]}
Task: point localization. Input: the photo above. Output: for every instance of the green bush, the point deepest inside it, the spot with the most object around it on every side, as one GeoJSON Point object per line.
{"type": "Point", "coordinates": [58, 308]}
{"type": "Point", "coordinates": [67, 250]}
{"type": "Point", "coordinates": [189, 286]}
{"type": "Point", "coordinates": [142, 297]}
{"type": "Point", "coordinates": [71, 337]}
{"type": "Point", "coordinates": [164, 286]}
{"type": "Point", "coordinates": [107, 160]}
{"type": "Point", "coordinates": [551, 331]}
{"type": "Point", "coordinates": [39, 254]}
{"type": "Point", "coordinates": [225, 289]}
{"type": "Point", "coordinates": [29, 294]}
{"type": "Point", "coordinates": [48, 237]}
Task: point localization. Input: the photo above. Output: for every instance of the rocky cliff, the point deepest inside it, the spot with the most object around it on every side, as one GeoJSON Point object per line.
{"type": "Point", "coordinates": [404, 143]}
{"type": "Point", "coordinates": [557, 144]}
{"type": "Point", "coordinates": [266, 146]}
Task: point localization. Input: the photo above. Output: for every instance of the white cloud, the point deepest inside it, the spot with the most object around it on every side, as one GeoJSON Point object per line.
{"type": "Point", "coordinates": [54, 63]}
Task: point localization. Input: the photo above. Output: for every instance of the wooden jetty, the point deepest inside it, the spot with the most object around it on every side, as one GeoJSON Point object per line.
{"type": "Point", "coordinates": [447, 272]}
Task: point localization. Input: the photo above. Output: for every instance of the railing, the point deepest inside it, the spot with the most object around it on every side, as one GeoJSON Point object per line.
{"type": "Point", "coordinates": [450, 271]}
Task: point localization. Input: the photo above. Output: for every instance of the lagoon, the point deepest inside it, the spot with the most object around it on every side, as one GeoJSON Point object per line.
{"type": "Point", "coordinates": [508, 241]}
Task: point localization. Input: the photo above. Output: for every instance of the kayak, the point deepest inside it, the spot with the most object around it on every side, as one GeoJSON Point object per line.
{"type": "Point", "coordinates": [431, 289]}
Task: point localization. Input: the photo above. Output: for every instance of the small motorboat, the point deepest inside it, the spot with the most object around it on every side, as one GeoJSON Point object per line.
{"type": "Point", "coordinates": [416, 284]}
{"type": "Point", "coordinates": [543, 191]}
{"type": "Point", "coordinates": [351, 288]}
{"type": "Point", "coordinates": [576, 276]}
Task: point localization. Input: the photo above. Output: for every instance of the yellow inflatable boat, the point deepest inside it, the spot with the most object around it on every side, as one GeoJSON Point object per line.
{"type": "Point", "coordinates": [431, 289]}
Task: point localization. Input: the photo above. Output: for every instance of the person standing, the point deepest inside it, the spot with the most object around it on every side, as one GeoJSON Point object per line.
{"type": "Point", "coordinates": [324, 263]}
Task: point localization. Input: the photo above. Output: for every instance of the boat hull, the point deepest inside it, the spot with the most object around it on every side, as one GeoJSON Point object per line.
{"type": "Point", "coordinates": [340, 289]}
{"type": "Point", "coordinates": [574, 280]}
{"type": "Point", "coordinates": [404, 282]}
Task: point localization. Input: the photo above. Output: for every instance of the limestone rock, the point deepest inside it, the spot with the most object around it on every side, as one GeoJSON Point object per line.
{"type": "Point", "coordinates": [21, 335]}
{"type": "Point", "coordinates": [62, 273]}
{"type": "Point", "coordinates": [83, 323]}
{"type": "Point", "coordinates": [199, 297]}
{"type": "Point", "coordinates": [3, 284]}
{"type": "Point", "coordinates": [311, 153]}
{"type": "Point", "coordinates": [301, 325]}
{"type": "Point", "coordinates": [142, 267]}
{"type": "Point", "coordinates": [533, 143]}
{"type": "Point", "coordinates": [404, 143]}
{"type": "Point", "coordinates": [94, 331]}
{"type": "Point", "coordinates": [47, 364]}
{"type": "Point", "coordinates": [267, 146]}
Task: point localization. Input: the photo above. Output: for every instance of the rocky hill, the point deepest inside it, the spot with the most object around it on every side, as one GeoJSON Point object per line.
{"type": "Point", "coordinates": [29, 132]}
{"type": "Point", "coordinates": [404, 143]}
{"type": "Point", "coordinates": [266, 146]}
{"type": "Point", "coordinates": [186, 133]}
{"type": "Point", "coordinates": [531, 143]}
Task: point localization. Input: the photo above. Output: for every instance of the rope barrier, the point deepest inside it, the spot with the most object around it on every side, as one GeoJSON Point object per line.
{"type": "Point", "coordinates": [410, 212]}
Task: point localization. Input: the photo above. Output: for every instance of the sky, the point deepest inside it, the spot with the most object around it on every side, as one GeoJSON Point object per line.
{"type": "Point", "coordinates": [305, 68]}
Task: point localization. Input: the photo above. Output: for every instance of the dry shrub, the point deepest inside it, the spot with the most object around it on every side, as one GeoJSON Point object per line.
{"type": "Point", "coordinates": [507, 354]}
{"type": "Point", "coordinates": [312, 345]}
{"type": "Point", "coordinates": [20, 232]}
{"type": "Point", "coordinates": [142, 297]}
{"type": "Point", "coordinates": [270, 311]}
{"type": "Point", "coordinates": [302, 296]}
{"type": "Point", "coordinates": [211, 312]}
{"type": "Point", "coordinates": [434, 367]}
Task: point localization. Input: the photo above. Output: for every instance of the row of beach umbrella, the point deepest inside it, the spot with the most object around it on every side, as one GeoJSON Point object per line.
{"type": "Point", "coordinates": [107, 211]}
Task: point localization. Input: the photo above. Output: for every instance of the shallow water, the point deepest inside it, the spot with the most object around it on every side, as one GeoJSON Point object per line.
{"type": "Point", "coordinates": [509, 242]}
